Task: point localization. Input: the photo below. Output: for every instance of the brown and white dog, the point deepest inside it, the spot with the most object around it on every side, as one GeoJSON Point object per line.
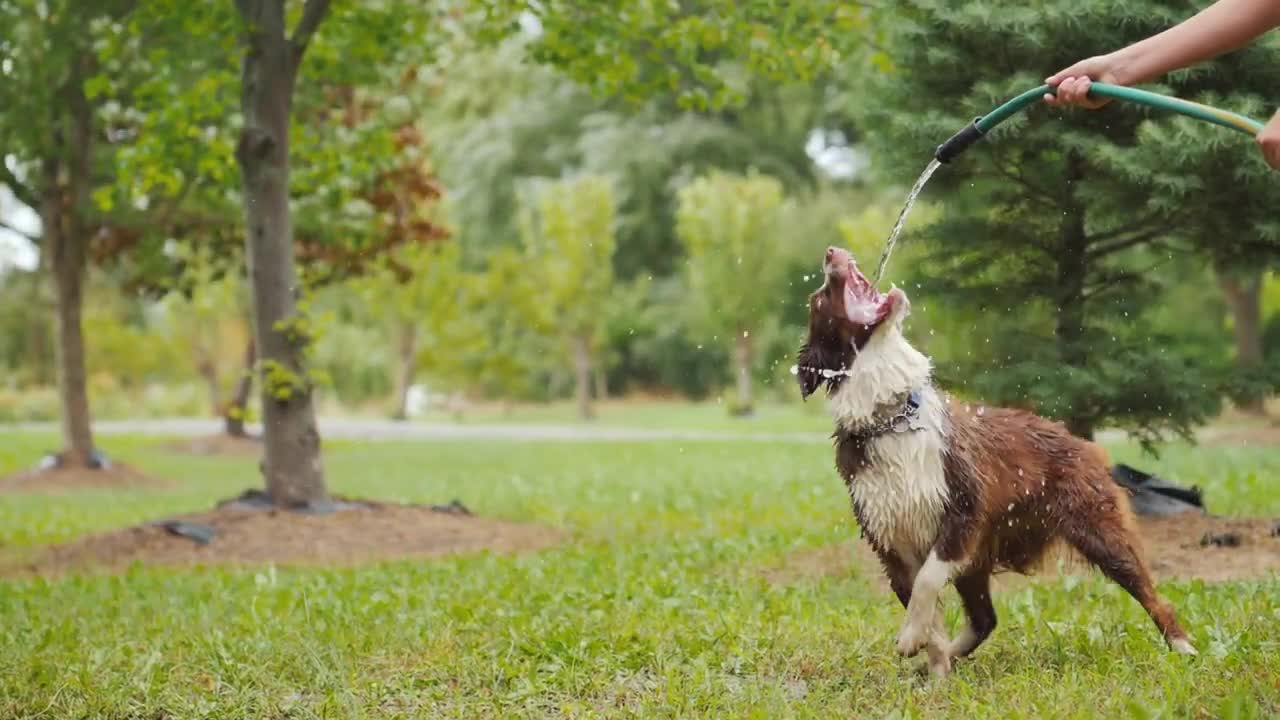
{"type": "Point", "coordinates": [948, 493]}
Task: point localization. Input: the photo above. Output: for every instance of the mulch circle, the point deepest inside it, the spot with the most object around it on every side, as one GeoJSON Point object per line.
{"type": "Point", "coordinates": [341, 532]}
{"type": "Point", "coordinates": [62, 479]}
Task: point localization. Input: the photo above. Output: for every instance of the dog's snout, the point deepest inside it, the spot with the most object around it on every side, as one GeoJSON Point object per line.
{"type": "Point", "coordinates": [831, 252]}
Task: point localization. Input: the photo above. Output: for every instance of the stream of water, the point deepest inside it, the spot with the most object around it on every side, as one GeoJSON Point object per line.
{"type": "Point", "coordinates": [921, 181]}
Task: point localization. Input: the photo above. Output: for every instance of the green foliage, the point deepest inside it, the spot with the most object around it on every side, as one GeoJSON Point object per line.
{"type": "Point", "coordinates": [419, 289]}
{"type": "Point", "coordinates": [701, 53]}
{"type": "Point", "coordinates": [506, 355]}
{"type": "Point", "coordinates": [722, 585]}
{"type": "Point", "coordinates": [567, 228]}
{"type": "Point", "coordinates": [729, 226]}
{"type": "Point", "coordinates": [497, 121]}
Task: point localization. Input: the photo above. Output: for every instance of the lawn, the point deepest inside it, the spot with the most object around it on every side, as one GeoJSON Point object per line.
{"type": "Point", "coordinates": [657, 414]}
{"type": "Point", "coordinates": [659, 603]}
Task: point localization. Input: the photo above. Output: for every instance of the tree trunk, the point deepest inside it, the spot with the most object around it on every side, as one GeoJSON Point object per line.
{"type": "Point", "coordinates": [238, 408]}
{"type": "Point", "coordinates": [68, 265]}
{"type": "Point", "coordinates": [41, 348]}
{"type": "Point", "coordinates": [292, 463]}
{"type": "Point", "coordinates": [742, 372]}
{"type": "Point", "coordinates": [65, 198]}
{"type": "Point", "coordinates": [582, 373]}
{"type": "Point", "coordinates": [208, 371]}
{"type": "Point", "coordinates": [1244, 296]}
{"type": "Point", "coordinates": [602, 384]}
{"type": "Point", "coordinates": [1073, 268]}
{"type": "Point", "coordinates": [408, 368]}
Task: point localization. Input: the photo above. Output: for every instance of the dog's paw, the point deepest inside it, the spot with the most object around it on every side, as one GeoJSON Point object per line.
{"type": "Point", "coordinates": [1182, 646]}
{"type": "Point", "coordinates": [939, 661]}
{"type": "Point", "coordinates": [912, 638]}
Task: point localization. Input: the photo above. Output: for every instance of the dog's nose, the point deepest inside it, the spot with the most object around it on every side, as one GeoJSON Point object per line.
{"type": "Point", "coordinates": [831, 252]}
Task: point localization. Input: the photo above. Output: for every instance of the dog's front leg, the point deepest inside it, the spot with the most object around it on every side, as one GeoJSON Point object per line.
{"type": "Point", "coordinates": [902, 577]}
{"type": "Point", "coordinates": [920, 627]}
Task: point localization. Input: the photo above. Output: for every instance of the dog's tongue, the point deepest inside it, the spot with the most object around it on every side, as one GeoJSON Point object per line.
{"type": "Point", "coordinates": [862, 302]}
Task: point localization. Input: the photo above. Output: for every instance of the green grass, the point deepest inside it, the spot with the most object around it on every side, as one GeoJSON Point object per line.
{"type": "Point", "coordinates": [654, 607]}
{"type": "Point", "coordinates": [710, 415]}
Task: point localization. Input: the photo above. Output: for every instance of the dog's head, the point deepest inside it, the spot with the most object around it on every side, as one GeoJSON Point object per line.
{"type": "Point", "coordinates": [844, 314]}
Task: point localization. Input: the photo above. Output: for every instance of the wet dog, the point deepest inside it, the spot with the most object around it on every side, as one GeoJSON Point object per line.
{"type": "Point", "coordinates": [947, 493]}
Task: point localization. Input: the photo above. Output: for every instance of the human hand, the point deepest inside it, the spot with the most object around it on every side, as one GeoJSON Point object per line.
{"type": "Point", "coordinates": [1269, 141]}
{"type": "Point", "coordinates": [1073, 82]}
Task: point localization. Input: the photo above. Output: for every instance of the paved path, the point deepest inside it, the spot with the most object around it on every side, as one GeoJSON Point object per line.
{"type": "Point", "coordinates": [375, 429]}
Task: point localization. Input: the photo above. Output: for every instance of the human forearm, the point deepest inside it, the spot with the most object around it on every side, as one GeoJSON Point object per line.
{"type": "Point", "coordinates": [1219, 28]}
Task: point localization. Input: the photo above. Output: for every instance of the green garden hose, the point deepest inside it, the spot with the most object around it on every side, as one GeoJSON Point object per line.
{"type": "Point", "coordinates": [961, 141]}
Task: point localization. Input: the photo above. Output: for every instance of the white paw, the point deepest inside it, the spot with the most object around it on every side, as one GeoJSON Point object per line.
{"type": "Point", "coordinates": [912, 638]}
{"type": "Point", "coordinates": [1182, 646]}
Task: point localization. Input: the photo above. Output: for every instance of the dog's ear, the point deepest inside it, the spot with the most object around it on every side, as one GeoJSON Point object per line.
{"type": "Point", "coordinates": [809, 363]}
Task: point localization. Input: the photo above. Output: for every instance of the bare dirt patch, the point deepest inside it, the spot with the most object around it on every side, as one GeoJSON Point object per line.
{"type": "Point", "coordinates": [1196, 546]}
{"type": "Point", "coordinates": [218, 445]}
{"type": "Point", "coordinates": [1189, 546]}
{"type": "Point", "coordinates": [370, 532]}
{"type": "Point", "coordinates": [62, 479]}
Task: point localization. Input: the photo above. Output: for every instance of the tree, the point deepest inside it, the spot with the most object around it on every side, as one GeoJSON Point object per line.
{"type": "Point", "coordinates": [730, 231]}
{"type": "Point", "coordinates": [56, 156]}
{"type": "Point", "coordinates": [203, 307]}
{"type": "Point", "coordinates": [506, 348]}
{"type": "Point", "coordinates": [568, 231]}
{"type": "Point", "coordinates": [272, 61]}
{"type": "Point", "coordinates": [418, 293]}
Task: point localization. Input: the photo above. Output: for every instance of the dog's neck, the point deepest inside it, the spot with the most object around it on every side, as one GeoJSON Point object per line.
{"type": "Point", "coordinates": [881, 376]}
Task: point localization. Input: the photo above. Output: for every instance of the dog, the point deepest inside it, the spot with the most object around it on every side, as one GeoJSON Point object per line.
{"type": "Point", "coordinates": [949, 493]}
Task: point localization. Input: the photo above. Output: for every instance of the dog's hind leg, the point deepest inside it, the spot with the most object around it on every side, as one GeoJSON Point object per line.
{"type": "Point", "coordinates": [975, 595]}
{"type": "Point", "coordinates": [1111, 543]}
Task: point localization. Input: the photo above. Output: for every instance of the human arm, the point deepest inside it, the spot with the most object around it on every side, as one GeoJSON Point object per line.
{"type": "Point", "coordinates": [1219, 28]}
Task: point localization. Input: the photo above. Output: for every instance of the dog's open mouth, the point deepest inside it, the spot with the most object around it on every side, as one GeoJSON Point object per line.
{"type": "Point", "coordinates": [863, 304]}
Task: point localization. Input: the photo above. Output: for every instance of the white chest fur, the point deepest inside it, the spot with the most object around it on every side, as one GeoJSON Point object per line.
{"type": "Point", "coordinates": [901, 493]}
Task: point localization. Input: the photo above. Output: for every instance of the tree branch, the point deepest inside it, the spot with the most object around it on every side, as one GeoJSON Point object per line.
{"type": "Point", "coordinates": [997, 162]}
{"type": "Point", "coordinates": [1131, 227]}
{"type": "Point", "coordinates": [313, 13]}
{"type": "Point", "coordinates": [20, 191]}
{"type": "Point", "coordinates": [1124, 243]}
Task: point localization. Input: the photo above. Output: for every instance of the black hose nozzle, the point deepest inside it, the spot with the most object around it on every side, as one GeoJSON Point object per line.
{"type": "Point", "coordinates": [958, 143]}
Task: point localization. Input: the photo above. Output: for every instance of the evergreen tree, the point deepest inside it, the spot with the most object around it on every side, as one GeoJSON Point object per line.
{"type": "Point", "coordinates": [1052, 227]}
